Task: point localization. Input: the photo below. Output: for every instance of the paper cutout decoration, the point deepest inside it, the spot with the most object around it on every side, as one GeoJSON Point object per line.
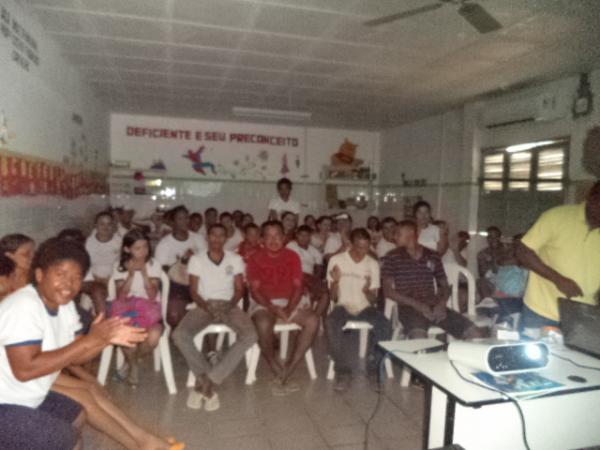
{"type": "Point", "coordinates": [197, 163]}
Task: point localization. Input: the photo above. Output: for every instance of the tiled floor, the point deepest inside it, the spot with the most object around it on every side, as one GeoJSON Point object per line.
{"type": "Point", "coordinates": [251, 418]}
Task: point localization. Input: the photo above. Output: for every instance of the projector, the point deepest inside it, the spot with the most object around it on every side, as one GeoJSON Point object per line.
{"type": "Point", "coordinates": [500, 357]}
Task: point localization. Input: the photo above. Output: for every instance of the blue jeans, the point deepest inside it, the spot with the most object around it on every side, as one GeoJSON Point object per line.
{"type": "Point", "coordinates": [531, 319]}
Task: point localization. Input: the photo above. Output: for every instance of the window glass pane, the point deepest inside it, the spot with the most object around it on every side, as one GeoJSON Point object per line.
{"type": "Point", "coordinates": [550, 164]}
{"type": "Point", "coordinates": [493, 166]}
{"type": "Point", "coordinates": [520, 165]}
{"type": "Point", "coordinates": [490, 186]}
{"type": "Point", "coordinates": [518, 186]}
{"type": "Point", "coordinates": [549, 186]}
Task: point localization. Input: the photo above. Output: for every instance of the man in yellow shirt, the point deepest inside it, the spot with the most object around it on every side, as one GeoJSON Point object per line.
{"type": "Point", "coordinates": [562, 250]}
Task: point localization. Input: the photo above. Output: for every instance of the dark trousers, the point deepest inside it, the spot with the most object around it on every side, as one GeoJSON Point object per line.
{"type": "Point", "coordinates": [339, 340]}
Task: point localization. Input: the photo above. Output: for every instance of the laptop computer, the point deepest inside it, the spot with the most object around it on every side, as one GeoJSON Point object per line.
{"type": "Point", "coordinates": [580, 324]}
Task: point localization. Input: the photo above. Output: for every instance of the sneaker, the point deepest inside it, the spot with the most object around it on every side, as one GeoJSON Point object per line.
{"type": "Point", "coordinates": [212, 403]}
{"type": "Point", "coordinates": [195, 399]}
{"type": "Point", "coordinates": [342, 383]}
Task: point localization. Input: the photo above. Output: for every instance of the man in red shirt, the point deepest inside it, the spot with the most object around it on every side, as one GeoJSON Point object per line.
{"type": "Point", "coordinates": [275, 278]}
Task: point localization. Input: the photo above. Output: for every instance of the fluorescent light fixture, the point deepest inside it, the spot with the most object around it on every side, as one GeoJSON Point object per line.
{"type": "Point", "coordinates": [281, 114]}
{"type": "Point", "coordinates": [527, 146]}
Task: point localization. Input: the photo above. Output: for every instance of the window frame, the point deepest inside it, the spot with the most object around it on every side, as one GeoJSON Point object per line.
{"type": "Point", "coordinates": [563, 142]}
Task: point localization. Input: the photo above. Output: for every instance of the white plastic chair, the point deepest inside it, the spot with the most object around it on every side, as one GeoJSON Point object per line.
{"type": "Point", "coordinates": [283, 329]}
{"type": "Point", "coordinates": [454, 273]}
{"type": "Point", "coordinates": [162, 352]}
{"type": "Point", "coordinates": [363, 337]}
{"type": "Point", "coordinates": [221, 331]}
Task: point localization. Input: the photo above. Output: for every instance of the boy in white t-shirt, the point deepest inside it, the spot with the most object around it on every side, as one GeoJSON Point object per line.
{"type": "Point", "coordinates": [312, 268]}
{"type": "Point", "coordinates": [354, 281]}
{"type": "Point", "coordinates": [387, 242]}
{"type": "Point", "coordinates": [283, 202]}
{"type": "Point", "coordinates": [173, 253]}
{"type": "Point", "coordinates": [430, 235]}
{"type": "Point", "coordinates": [216, 286]}
{"type": "Point", "coordinates": [234, 234]}
{"type": "Point", "coordinates": [39, 337]}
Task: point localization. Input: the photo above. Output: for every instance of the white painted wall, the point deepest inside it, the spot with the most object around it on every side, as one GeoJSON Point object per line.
{"type": "Point", "coordinates": [38, 107]}
{"type": "Point", "coordinates": [445, 149]}
{"type": "Point", "coordinates": [231, 187]}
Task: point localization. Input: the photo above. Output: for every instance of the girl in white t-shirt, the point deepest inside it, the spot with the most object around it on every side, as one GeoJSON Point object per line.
{"type": "Point", "coordinates": [40, 336]}
{"type": "Point", "coordinates": [137, 281]}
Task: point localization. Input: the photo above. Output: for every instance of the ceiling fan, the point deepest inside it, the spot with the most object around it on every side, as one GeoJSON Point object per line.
{"type": "Point", "coordinates": [472, 12]}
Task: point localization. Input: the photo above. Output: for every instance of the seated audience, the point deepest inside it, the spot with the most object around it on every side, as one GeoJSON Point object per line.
{"type": "Point", "coordinates": [289, 221]}
{"type": "Point", "coordinates": [251, 242]}
{"type": "Point", "coordinates": [173, 253]}
{"type": "Point", "coordinates": [510, 283]}
{"type": "Point", "coordinates": [310, 222]}
{"type": "Point", "coordinates": [7, 267]}
{"type": "Point", "coordinates": [211, 216]}
{"type": "Point", "coordinates": [104, 246]}
{"type": "Point", "coordinates": [374, 229]}
{"type": "Point", "coordinates": [36, 401]}
{"type": "Point", "coordinates": [216, 286]}
{"type": "Point", "coordinates": [275, 279]}
{"type": "Point", "coordinates": [430, 235]}
{"type": "Point", "coordinates": [460, 249]}
{"type": "Point", "coordinates": [283, 201]}
{"type": "Point", "coordinates": [410, 275]}
{"type": "Point", "coordinates": [488, 261]}
{"type": "Point", "coordinates": [124, 220]}
{"type": "Point", "coordinates": [72, 234]}
{"type": "Point", "coordinates": [312, 268]}
{"type": "Point", "coordinates": [353, 278]}
{"type": "Point", "coordinates": [196, 222]}
{"type": "Point", "coordinates": [247, 220]}
{"type": "Point", "coordinates": [233, 234]}
{"type": "Point", "coordinates": [158, 228]}
{"type": "Point", "coordinates": [238, 218]}
{"type": "Point", "coordinates": [19, 248]}
{"type": "Point", "coordinates": [387, 241]}
{"type": "Point", "coordinates": [561, 252]}
{"type": "Point", "coordinates": [319, 237]}
{"type": "Point", "coordinates": [339, 240]}
{"type": "Point", "coordinates": [137, 281]}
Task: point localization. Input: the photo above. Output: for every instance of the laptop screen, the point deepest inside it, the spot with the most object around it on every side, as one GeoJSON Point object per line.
{"type": "Point", "coordinates": [580, 324]}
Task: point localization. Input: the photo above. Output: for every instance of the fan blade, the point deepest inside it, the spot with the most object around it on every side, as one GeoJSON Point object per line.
{"type": "Point", "coordinates": [402, 15]}
{"type": "Point", "coordinates": [479, 18]}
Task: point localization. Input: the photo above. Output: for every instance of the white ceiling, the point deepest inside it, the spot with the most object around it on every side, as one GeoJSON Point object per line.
{"type": "Point", "coordinates": [201, 57]}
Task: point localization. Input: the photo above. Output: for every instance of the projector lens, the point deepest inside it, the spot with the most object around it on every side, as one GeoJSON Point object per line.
{"type": "Point", "coordinates": [533, 352]}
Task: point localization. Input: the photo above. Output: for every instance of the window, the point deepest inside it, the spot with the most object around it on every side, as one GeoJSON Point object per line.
{"type": "Point", "coordinates": [519, 182]}
{"type": "Point", "coordinates": [535, 166]}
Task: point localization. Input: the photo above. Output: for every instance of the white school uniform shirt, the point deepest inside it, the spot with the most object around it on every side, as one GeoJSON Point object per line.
{"type": "Point", "coordinates": [383, 247]}
{"type": "Point", "coordinates": [352, 282]}
{"type": "Point", "coordinates": [169, 250]}
{"type": "Point", "coordinates": [333, 243]}
{"type": "Point", "coordinates": [25, 320]}
{"type": "Point", "coordinates": [429, 237]}
{"type": "Point", "coordinates": [216, 281]}
{"type": "Point", "coordinates": [234, 241]}
{"type": "Point", "coordinates": [153, 269]}
{"type": "Point", "coordinates": [103, 255]}
{"type": "Point", "coordinates": [280, 206]}
{"type": "Point", "coordinates": [309, 257]}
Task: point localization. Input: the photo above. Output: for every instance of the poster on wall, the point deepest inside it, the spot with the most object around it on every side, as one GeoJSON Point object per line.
{"type": "Point", "coordinates": [20, 41]}
{"type": "Point", "coordinates": [188, 148]}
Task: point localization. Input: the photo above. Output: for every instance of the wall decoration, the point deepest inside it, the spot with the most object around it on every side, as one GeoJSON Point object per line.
{"type": "Point", "coordinates": [197, 163]}
{"type": "Point", "coordinates": [284, 165]}
{"type": "Point", "coordinates": [345, 164]}
{"type": "Point", "coordinates": [5, 134]}
{"type": "Point", "coordinates": [24, 175]}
